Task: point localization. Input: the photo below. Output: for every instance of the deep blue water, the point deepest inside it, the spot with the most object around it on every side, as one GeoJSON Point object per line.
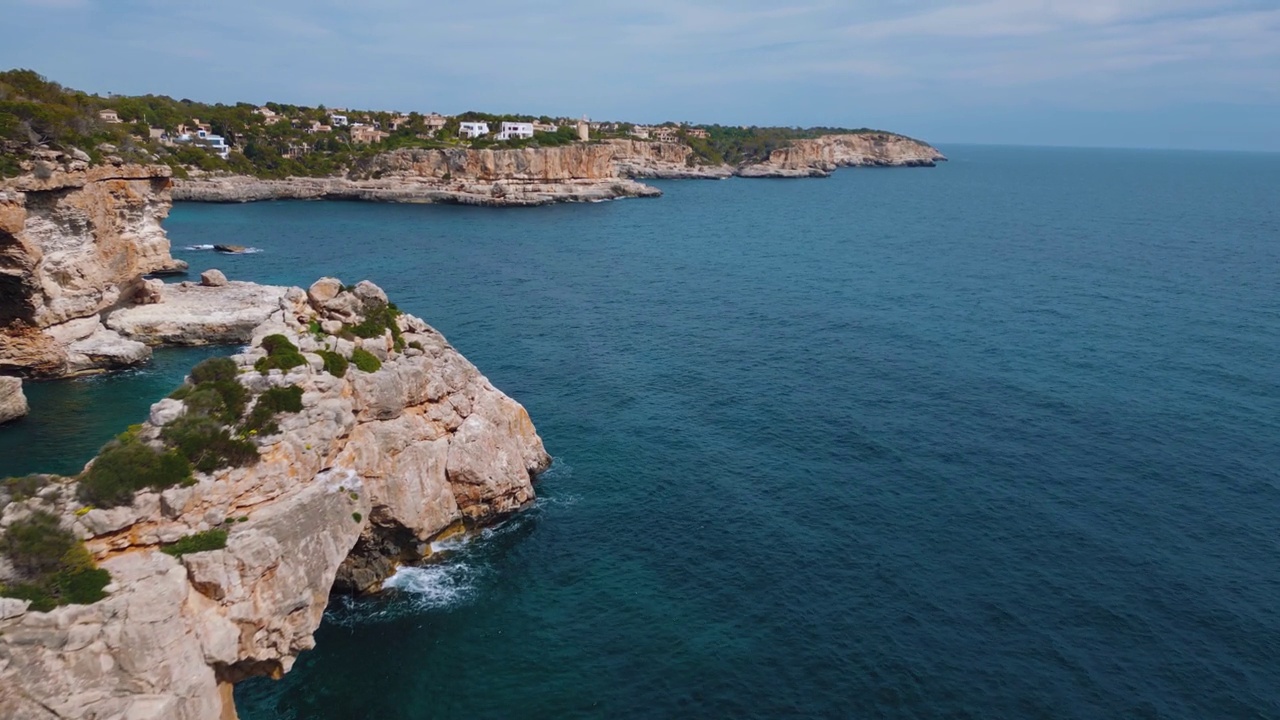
{"type": "Point", "coordinates": [995, 439]}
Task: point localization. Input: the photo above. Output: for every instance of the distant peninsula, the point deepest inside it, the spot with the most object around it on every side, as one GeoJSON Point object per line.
{"type": "Point", "coordinates": [246, 152]}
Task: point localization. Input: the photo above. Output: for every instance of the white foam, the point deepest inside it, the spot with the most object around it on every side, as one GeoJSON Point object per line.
{"type": "Point", "coordinates": [199, 247]}
{"type": "Point", "coordinates": [435, 586]}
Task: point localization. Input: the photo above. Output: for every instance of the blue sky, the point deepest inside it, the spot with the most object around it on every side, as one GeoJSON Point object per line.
{"type": "Point", "coordinates": [1133, 73]}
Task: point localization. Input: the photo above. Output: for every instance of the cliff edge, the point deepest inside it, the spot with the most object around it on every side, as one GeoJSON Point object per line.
{"type": "Point", "coordinates": [370, 435]}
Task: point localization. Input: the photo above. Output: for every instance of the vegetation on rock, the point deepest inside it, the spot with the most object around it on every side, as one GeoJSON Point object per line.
{"type": "Point", "coordinates": [277, 400]}
{"type": "Point", "coordinates": [334, 363]}
{"type": "Point", "coordinates": [24, 487]}
{"type": "Point", "coordinates": [54, 568]}
{"type": "Point", "coordinates": [282, 354]}
{"type": "Point", "coordinates": [215, 539]}
{"type": "Point", "coordinates": [365, 361]}
{"type": "Point", "coordinates": [126, 465]}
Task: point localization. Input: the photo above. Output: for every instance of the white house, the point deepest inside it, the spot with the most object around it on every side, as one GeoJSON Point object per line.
{"type": "Point", "coordinates": [473, 129]}
{"type": "Point", "coordinates": [338, 120]}
{"type": "Point", "coordinates": [218, 145]}
{"type": "Point", "coordinates": [214, 143]}
{"type": "Point", "coordinates": [512, 130]}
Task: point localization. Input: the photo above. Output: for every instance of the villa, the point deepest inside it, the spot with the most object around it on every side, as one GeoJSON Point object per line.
{"type": "Point", "coordinates": [511, 130]}
{"type": "Point", "coordinates": [473, 129]}
{"type": "Point", "coordinates": [108, 116]}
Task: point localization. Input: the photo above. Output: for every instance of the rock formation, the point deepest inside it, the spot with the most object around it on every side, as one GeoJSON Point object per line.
{"type": "Point", "coordinates": [13, 403]}
{"type": "Point", "coordinates": [819, 157]}
{"type": "Point", "coordinates": [373, 467]}
{"type": "Point", "coordinates": [509, 177]}
{"type": "Point", "coordinates": [75, 241]}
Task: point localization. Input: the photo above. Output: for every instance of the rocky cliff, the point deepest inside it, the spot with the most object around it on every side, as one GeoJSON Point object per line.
{"type": "Point", "coordinates": [643, 159]}
{"type": "Point", "coordinates": [74, 241]}
{"type": "Point", "coordinates": [509, 177]}
{"type": "Point", "coordinates": [819, 157]}
{"type": "Point", "coordinates": [375, 464]}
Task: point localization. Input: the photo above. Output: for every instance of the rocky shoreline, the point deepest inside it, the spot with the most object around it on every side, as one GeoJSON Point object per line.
{"type": "Point", "coordinates": [374, 463]}
{"type": "Point", "coordinates": [607, 170]}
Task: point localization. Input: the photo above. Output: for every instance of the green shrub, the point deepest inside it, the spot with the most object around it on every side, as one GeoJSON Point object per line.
{"type": "Point", "coordinates": [127, 465]}
{"type": "Point", "coordinates": [214, 390]}
{"type": "Point", "coordinates": [334, 363]}
{"type": "Point", "coordinates": [41, 599]}
{"type": "Point", "coordinates": [357, 516]}
{"type": "Point", "coordinates": [365, 361]}
{"type": "Point", "coordinates": [24, 487]}
{"type": "Point", "coordinates": [214, 370]}
{"type": "Point", "coordinates": [378, 320]}
{"type": "Point", "coordinates": [282, 354]}
{"type": "Point", "coordinates": [36, 544]}
{"type": "Point", "coordinates": [82, 587]}
{"type": "Point", "coordinates": [273, 401]}
{"type": "Point", "coordinates": [416, 345]}
{"type": "Point", "coordinates": [54, 567]}
{"type": "Point", "coordinates": [206, 444]}
{"type": "Point", "coordinates": [215, 539]}
{"type": "Point", "coordinates": [314, 328]}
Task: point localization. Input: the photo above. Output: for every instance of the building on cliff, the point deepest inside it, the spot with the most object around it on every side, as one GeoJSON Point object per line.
{"type": "Point", "coordinates": [515, 130]}
{"type": "Point", "coordinates": [473, 129]}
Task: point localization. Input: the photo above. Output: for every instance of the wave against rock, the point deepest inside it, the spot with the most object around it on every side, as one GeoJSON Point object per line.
{"type": "Point", "coordinates": [374, 464]}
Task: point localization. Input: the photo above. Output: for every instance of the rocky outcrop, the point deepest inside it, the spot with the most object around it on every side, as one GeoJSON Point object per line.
{"type": "Point", "coordinates": [75, 241]}
{"type": "Point", "coordinates": [13, 403]}
{"type": "Point", "coordinates": [819, 157]}
{"type": "Point", "coordinates": [374, 467]}
{"type": "Point", "coordinates": [191, 314]}
{"type": "Point", "coordinates": [509, 177]}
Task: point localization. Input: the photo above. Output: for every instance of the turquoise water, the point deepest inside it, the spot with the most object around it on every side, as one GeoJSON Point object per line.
{"type": "Point", "coordinates": [995, 439]}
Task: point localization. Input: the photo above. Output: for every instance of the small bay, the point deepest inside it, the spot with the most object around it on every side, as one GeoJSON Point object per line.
{"type": "Point", "coordinates": [995, 439]}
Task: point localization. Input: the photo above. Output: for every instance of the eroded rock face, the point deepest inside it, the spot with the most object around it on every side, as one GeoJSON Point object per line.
{"type": "Point", "coordinates": [644, 159]}
{"type": "Point", "coordinates": [373, 467]}
{"type": "Point", "coordinates": [75, 241]}
{"type": "Point", "coordinates": [819, 157]}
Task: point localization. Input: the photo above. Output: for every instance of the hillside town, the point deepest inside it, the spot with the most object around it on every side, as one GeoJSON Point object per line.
{"type": "Point", "coordinates": [372, 128]}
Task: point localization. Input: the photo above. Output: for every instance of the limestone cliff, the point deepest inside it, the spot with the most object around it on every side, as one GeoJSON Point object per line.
{"type": "Point", "coordinates": [644, 159]}
{"type": "Point", "coordinates": [818, 157]}
{"type": "Point", "coordinates": [504, 177]}
{"type": "Point", "coordinates": [371, 469]}
{"type": "Point", "coordinates": [74, 241]}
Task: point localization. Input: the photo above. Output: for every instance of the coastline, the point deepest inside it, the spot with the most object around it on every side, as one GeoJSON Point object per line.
{"type": "Point", "coordinates": [593, 172]}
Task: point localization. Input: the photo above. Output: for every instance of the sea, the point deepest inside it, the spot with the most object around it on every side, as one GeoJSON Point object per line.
{"type": "Point", "coordinates": [997, 439]}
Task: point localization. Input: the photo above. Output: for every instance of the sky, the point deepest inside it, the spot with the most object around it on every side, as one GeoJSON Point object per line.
{"type": "Point", "coordinates": [1195, 74]}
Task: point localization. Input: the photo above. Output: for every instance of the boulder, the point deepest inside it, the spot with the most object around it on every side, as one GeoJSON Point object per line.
{"type": "Point", "coordinates": [150, 292]}
{"type": "Point", "coordinates": [324, 290]}
{"type": "Point", "coordinates": [213, 278]}
{"type": "Point", "coordinates": [370, 295]}
{"type": "Point", "coordinates": [166, 411]}
{"type": "Point", "coordinates": [13, 404]}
